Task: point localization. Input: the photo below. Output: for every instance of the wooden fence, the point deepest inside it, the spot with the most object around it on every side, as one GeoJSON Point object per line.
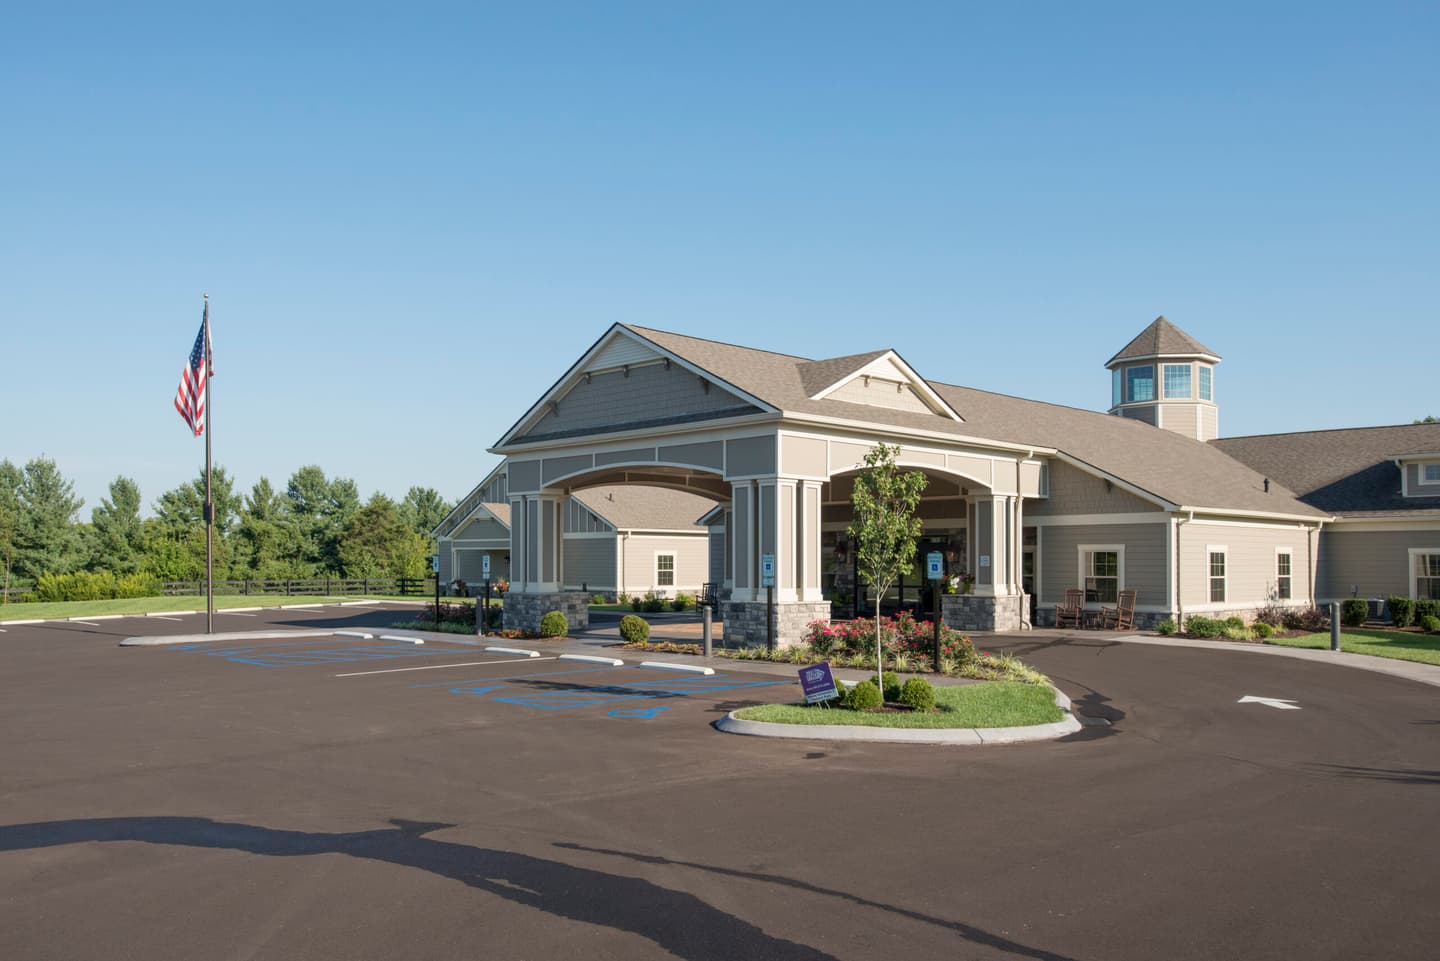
{"type": "Point", "coordinates": [329, 586]}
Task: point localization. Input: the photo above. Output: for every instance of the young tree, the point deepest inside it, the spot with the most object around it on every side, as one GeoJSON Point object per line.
{"type": "Point", "coordinates": [377, 543]}
{"type": "Point", "coordinates": [885, 527]}
{"type": "Point", "coordinates": [117, 537]}
{"type": "Point", "coordinates": [46, 539]}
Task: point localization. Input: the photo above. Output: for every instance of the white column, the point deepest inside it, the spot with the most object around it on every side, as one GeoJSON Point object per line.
{"type": "Point", "coordinates": [808, 541]}
{"type": "Point", "coordinates": [744, 571]}
{"type": "Point", "coordinates": [518, 541]}
{"type": "Point", "coordinates": [990, 543]}
{"type": "Point", "coordinates": [545, 515]}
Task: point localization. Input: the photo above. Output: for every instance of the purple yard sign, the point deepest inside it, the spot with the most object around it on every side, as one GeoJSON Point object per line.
{"type": "Point", "coordinates": [817, 683]}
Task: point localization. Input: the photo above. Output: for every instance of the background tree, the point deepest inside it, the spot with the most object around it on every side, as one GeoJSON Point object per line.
{"type": "Point", "coordinates": [423, 509]}
{"type": "Point", "coordinates": [321, 508]}
{"type": "Point", "coordinates": [885, 528]}
{"type": "Point", "coordinates": [46, 539]}
{"type": "Point", "coordinates": [118, 535]}
{"type": "Point", "coordinates": [1429, 419]}
{"type": "Point", "coordinates": [377, 543]}
{"type": "Point", "coordinates": [180, 517]}
{"type": "Point", "coordinates": [10, 477]}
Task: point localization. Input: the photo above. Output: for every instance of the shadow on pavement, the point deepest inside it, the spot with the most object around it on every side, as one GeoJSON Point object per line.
{"type": "Point", "coordinates": [680, 923]}
{"type": "Point", "coordinates": [967, 931]}
{"type": "Point", "coordinates": [1394, 775]}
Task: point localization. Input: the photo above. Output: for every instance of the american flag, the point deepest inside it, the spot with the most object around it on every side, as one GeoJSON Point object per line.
{"type": "Point", "coordinates": [190, 397]}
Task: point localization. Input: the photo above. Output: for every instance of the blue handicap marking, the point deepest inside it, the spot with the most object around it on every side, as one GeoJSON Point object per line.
{"type": "Point", "coordinates": [475, 690]}
{"type": "Point", "coordinates": [643, 714]}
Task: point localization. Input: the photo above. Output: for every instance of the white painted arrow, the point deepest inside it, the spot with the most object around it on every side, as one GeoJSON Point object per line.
{"type": "Point", "coordinates": [1275, 702]}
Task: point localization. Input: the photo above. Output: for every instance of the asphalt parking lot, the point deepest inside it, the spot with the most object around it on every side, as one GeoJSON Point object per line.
{"type": "Point", "coordinates": [339, 797]}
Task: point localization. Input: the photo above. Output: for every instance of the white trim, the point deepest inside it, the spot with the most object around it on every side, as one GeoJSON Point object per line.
{"type": "Point", "coordinates": [1415, 553]}
{"type": "Point", "coordinates": [1252, 525]}
{"type": "Point", "coordinates": [1388, 524]}
{"type": "Point", "coordinates": [1231, 512]}
{"type": "Point", "coordinates": [655, 569]}
{"type": "Point", "coordinates": [1117, 549]}
{"type": "Point", "coordinates": [1090, 520]}
{"type": "Point", "coordinates": [1421, 479]}
{"type": "Point", "coordinates": [1290, 553]}
{"type": "Point", "coordinates": [1224, 551]}
{"type": "Point", "coordinates": [1118, 361]}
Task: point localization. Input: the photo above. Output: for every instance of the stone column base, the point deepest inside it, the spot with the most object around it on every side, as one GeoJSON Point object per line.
{"type": "Point", "coordinates": [523, 611]}
{"type": "Point", "coordinates": [975, 612]}
{"type": "Point", "coordinates": [745, 622]}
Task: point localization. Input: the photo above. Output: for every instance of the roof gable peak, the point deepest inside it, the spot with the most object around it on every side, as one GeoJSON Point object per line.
{"type": "Point", "coordinates": [1162, 338]}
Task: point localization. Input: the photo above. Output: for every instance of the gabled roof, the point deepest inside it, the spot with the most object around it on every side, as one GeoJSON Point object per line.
{"type": "Point", "coordinates": [820, 374]}
{"type": "Point", "coordinates": [629, 507]}
{"type": "Point", "coordinates": [1162, 339]}
{"type": "Point", "coordinates": [1173, 469]}
{"type": "Point", "coordinates": [1346, 471]}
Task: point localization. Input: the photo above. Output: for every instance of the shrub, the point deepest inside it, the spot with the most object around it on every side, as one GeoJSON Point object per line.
{"type": "Point", "coordinates": [1310, 619]}
{"type": "Point", "coordinates": [1273, 613]}
{"type": "Point", "coordinates": [1354, 612]}
{"type": "Point", "coordinates": [654, 603]}
{"type": "Point", "coordinates": [1431, 623]}
{"type": "Point", "coordinates": [597, 598]}
{"type": "Point", "coordinates": [1234, 622]}
{"type": "Point", "coordinates": [1203, 626]}
{"type": "Point", "coordinates": [864, 696]}
{"type": "Point", "coordinates": [553, 624]}
{"type": "Point", "coordinates": [137, 585]}
{"type": "Point", "coordinates": [891, 690]}
{"type": "Point", "coordinates": [1237, 633]}
{"type": "Point", "coordinates": [1402, 611]}
{"type": "Point", "coordinates": [494, 618]}
{"type": "Point", "coordinates": [918, 694]}
{"type": "Point", "coordinates": [1425, 609]}
{"type": "Point", "coordinates": [1263, 630]}
{"type": "Point", "coordinates": [635, 630]}
{"type": "Point", "coordinates": [682, 602]}
{"type": "Point", "coordinates": [1166, 627]}
{"type": "Point", "coordinates": [79, 586]}
{"type": "Point", "coordinates": [637, 603]}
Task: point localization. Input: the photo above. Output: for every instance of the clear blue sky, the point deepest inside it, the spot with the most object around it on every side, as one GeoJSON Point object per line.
{"type": "Point", "coordinates": [411, 218]}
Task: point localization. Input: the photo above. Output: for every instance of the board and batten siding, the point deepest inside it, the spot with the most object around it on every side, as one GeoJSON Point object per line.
{"type": "Point", "coordinates": [1146, 567]}
{"type": "Point", "coordinates": [1368, 563]}
{"type": "Point", "coordinates": [1074, 491]}
{"type": "Point", "coordinates": [717, 554]}
{"type": "Point", "coordinates": [590, 562]}
{"type": "Point", "coordinates": [611, 400]}
{"type": "Point", "coordinates": [1250, 572]}
{"type": "Point", "coordinates": [470, 565]}
{"type": "Point", "coordinates": [692, 562]}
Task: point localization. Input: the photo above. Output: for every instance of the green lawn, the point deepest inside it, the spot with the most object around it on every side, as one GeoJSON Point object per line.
{"type": "Point", "coordinates": [1402, 645]}
{"type": "Point", "coordinates": [189, 602]}
{"type": "Point", "coordinates": [991, 704]}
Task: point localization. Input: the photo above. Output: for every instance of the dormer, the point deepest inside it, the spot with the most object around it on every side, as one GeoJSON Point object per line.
{"type": "Point", "coordinates": [1419, 473]}
{"type": "Point", "coordinates": [1167, 379]}
{"type": "Point", "coordinates": [878, 379]}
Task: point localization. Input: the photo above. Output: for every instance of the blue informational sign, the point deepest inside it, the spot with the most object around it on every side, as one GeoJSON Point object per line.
{"type": "Point", "coordinates": [817, 683]}
{"type": "Point", "coordinates": [767, 570]}
{"type": "Point", "coordinates": [485, 566]}
{"type": "Point", "coordinates": [934, 566]}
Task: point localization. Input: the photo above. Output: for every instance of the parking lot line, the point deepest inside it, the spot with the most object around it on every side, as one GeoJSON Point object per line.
{"type": "Point", "coordinates": [437, 667]}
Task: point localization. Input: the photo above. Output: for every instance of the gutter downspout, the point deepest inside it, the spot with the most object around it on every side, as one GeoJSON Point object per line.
{"type": "Point", "coordinates": [1179, 567]}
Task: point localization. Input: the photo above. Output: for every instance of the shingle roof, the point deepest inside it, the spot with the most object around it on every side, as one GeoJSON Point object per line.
{"type": "Point", "coordinates": [1346, 471]}
{"type": "Point", "coordinates": [819, 374]}
{"type": "Point", "coordinates": [1168, 465]}
{"type": "Point", "coordinates": [501, 511]}
{"type": "Point", "coordinates": [1162, 339]}
{"type": "Point", "coordinates": [633, 507]}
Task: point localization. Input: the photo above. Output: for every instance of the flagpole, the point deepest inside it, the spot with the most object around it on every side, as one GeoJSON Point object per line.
{"type": "Point", "coordinates": [209, 498]}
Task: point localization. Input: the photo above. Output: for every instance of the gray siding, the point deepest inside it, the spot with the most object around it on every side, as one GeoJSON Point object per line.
{"type": "Point", "coordinates": [650, 394]}
{"type": "Point", "coordinates": [590, 561]}
{"type": "Point", "coordinates": [446, 574]}
{"type": "Point", "coordinates": [717, 554]}
{"type": "Point", "coordinates": [1250, 573]}
{"type": "Point", "coordinates": [1073, 491]}
{"type": "Point", "coordinates": [470, 567]}
{"type": "Point", "coordinates": [1147, 414]}
{"type": "Point", "coordinates": [750, 456]}
{"type": "Point", "coordinates": [1371, 564]}
{"type": "Point", "coordinates": [486, 529]}
{"type": "Point", "coordinates": [579, 519]}
{"type": "Point", "coordinates": [1146, 569]}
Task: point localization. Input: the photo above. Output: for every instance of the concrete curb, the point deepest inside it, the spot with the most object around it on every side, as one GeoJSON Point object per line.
{"type": "Point", "coordinates": [592, 659]}
{"type": "Point", "coordinates": [670, 666]}
{"type": "Point", "coordinates": [160, 640]}
{"type": "Point", "coordinates": [518, 651]}
{"type": "Point", "coordinates": [1069, 724]}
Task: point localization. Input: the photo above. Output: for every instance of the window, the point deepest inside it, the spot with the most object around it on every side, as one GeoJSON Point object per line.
{"type": "Point", "coordinates": [1177, 381]}
{"type": "Point", "coordinates": [1140, 383]}
{"type": "Point", "coordinates": [1430, 474]}
{"type": "Point", "coordinates": [1217, 575]}
{"type": "Point", "coordinates": [665, 570]}
{"type": "Point", "coordinates": [1427, 576]}
{"type": "Point", "coordinates": [1115, 385]}
{"type": "Point", "coordinates": [1282, 575]}
{"type": "Point", "coordinates": [1101, 571]}
{"type": "Point", "coordinates": [1205, 375]}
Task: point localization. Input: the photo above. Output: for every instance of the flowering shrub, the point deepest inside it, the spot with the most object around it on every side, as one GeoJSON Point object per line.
{"type": "Point", "coordinates": [901, 636]}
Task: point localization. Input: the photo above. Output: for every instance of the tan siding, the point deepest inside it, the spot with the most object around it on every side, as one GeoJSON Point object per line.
{"type": "Point", "coordinates": [692, 561]}
{"type": "Point", "coordinates": [1211, 419]}
{"type": "Point", "coordinates": [1073, 491]}
{"type": "Point", "coordinates": [1369, 563]}
{"type": "Point", "coordinates": [804, 456]}
{"type": "Point", "coordinates": [881, 393]}
{"type": "Point", "coordinates": [1145, 565]}
{"type": "Point", "coordinates": [1181, 418]}
{"type": "Point", "coordinates": [1249, 563]}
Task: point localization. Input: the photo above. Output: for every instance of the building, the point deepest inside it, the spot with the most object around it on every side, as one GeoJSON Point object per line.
{"type": "Point", "coordinates": [618, 539]}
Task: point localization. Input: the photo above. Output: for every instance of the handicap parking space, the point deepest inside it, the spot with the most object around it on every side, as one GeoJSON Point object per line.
{"type": "Point", "coordinates": [627, 692]}
{"type": "Point", "coordinates": [310, 652]}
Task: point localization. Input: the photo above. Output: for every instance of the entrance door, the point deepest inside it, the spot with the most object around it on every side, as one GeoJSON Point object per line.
{"type": "Point", "coordinates": [1027, 578]}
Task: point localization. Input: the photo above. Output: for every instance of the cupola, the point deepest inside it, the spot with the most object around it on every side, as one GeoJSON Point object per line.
{"type": "Point", "coordinates": [1166, 378]}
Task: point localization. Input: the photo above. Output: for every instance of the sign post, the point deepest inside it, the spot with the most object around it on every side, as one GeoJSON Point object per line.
{"type": "Point", "coordinates": [767, 581]}
{"type": "Point", "coordinates": [485, 614]}
{"type": "Point", "coordinates": [435, 569]}
{"type": "Point", "coordinates": [935, 572]}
